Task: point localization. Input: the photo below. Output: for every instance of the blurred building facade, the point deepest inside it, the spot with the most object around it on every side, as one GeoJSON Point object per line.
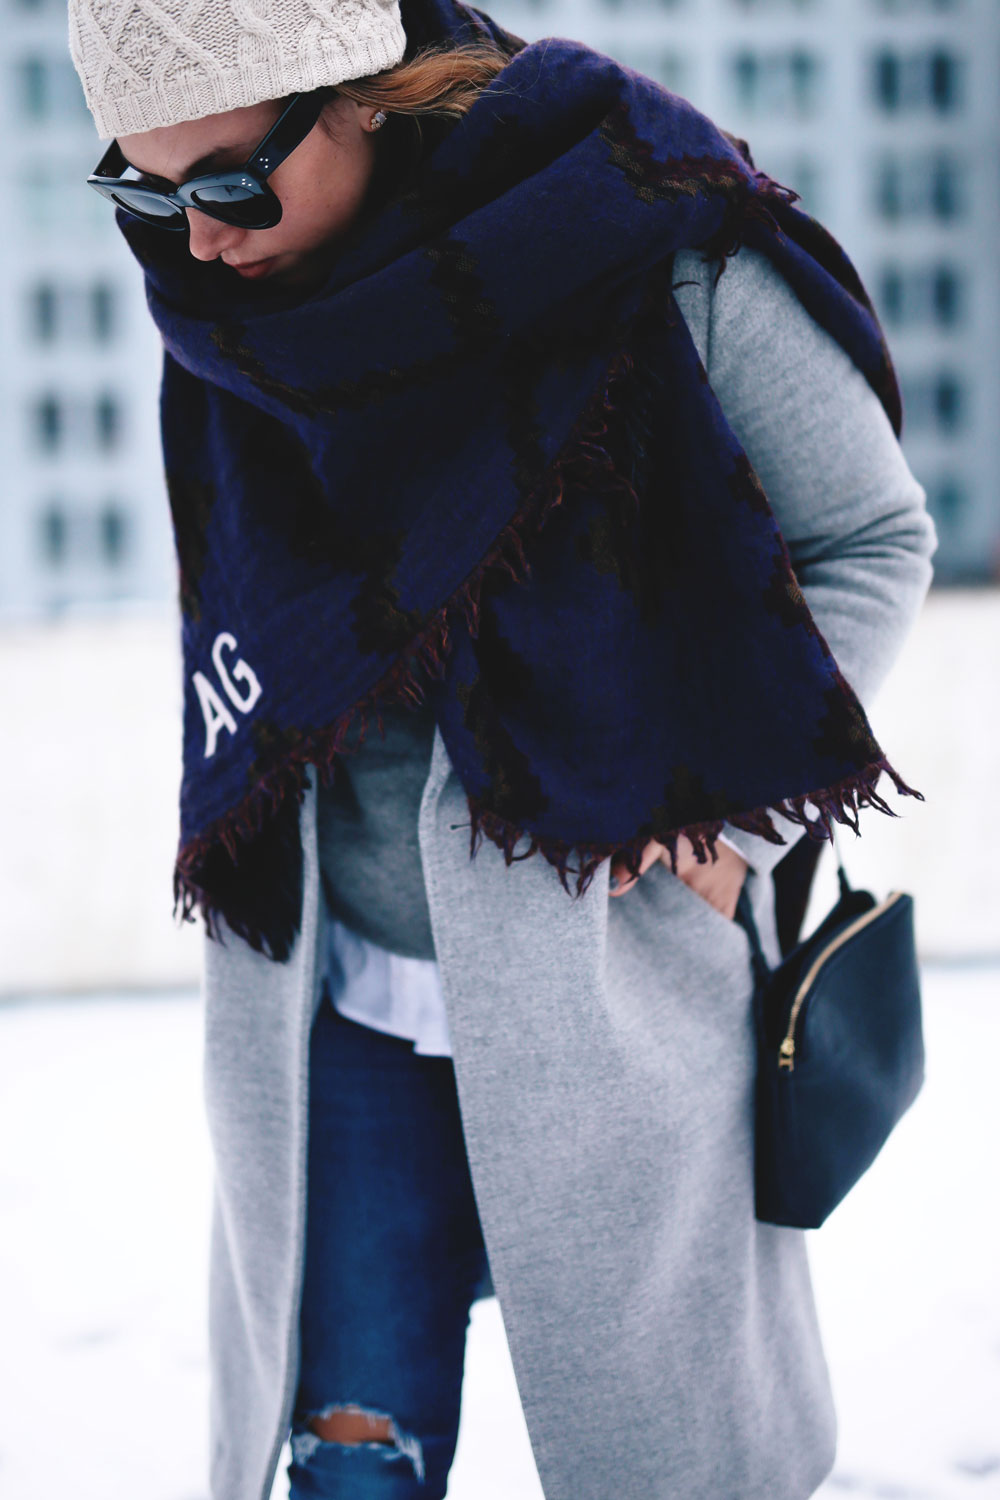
{"type": "Point", "coordinates": [883, 114]}
{"type": "Point", "coordinates": [83, 515]}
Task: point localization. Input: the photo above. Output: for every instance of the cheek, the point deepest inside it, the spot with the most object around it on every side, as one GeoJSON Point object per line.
{"type": "Point", "coordinates": [334, 203]}
{"type": "Point", "coordinates": [327, 197]}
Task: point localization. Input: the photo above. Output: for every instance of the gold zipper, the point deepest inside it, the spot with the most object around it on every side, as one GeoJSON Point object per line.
{"type": "Point", "coordinates": [786, 1052]}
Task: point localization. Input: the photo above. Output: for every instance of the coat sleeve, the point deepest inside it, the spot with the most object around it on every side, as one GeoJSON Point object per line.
{"type": "Point", "coordinates": [853, 516]}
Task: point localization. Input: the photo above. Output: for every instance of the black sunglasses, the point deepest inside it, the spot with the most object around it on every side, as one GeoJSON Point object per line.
{"type": "Point", "coordinates": [240, 196]}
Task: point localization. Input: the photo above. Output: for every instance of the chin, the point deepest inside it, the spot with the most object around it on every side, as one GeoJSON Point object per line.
{"type": "Point", "coordinates": [297, 271]}
{"type": "Point", "coordinates": [309, 270]}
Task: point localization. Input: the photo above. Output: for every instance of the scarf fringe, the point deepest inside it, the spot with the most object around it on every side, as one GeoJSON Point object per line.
{"type": "Point", "coordinates": [746, 206]}
{"type": "Point", "coordinates": [833, 804]}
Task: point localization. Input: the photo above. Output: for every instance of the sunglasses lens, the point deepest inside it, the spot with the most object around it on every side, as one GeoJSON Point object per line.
{"type": "Point", "coordinates": [237, 203]}
{"type": "Point", "coordinates": [148, 206]}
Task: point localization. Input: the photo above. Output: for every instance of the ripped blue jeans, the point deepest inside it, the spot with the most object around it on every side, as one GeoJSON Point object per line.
{"type": "Point", "coordinates": [394, 1260]}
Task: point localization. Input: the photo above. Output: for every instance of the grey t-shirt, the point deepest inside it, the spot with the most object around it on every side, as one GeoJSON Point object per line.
{"type": "Point", "coordinates": [367, 828]}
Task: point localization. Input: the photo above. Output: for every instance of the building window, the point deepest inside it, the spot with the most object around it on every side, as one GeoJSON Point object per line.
{"type": "Point", "coordinates": [785, 82]}
{"type": "Point", "coordinates": [931, 79]}
{"type": "Point", "coordinates": [48, 421]}
{"type": "Point", "coordinates": [77, 423]}
{"type": "Point", "coordinates": [745, 69]}
{"type": "Point", "coordinates": [74, 535]}
{"type": "Point", "coordinates": [48, 89]}
{"type": "Point", "coordinates": [42, 312]}
{"type": "Point", "coordinates": [73, 312]}
{"type": "Point", "coordinates": [103, 311]}
{"type": "Point", "coordinates": [107, 421]}
{"type": "Point", "coordinates": [948, 296]}
{"type": "Point", "coordinates": [30, 74]}
{"type": "Point", "coordinates": [113, 524]}
{"type": "Point", "coordinates": [933, 402]}
{"type": "Point", "coordinates": [53, 535]}
{"type": "Point", "coordinates": [923, 296]}
{"type": "Point", "coordinates": [921, 185]}
{"type": "Point", "coordinates": [948, 501]}
{"type": "Point", "coordinates": [65, 535]}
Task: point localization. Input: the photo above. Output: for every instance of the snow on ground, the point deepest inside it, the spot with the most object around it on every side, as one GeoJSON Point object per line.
{"type": "Point", "coordinates": [104, 1201]}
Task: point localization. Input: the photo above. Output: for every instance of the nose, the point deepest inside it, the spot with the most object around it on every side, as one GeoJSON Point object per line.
{"type": "Point", "coordinates": [210, 237]}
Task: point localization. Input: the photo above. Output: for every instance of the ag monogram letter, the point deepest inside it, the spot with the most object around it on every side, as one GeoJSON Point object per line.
{"type": "Point", "coordinates": [214, 710]}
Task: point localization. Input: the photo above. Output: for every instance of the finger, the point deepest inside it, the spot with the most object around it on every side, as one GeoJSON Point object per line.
{"type": "Point", "coordinates": [624, 881]}
{"type": "Point", "coordinates": [620, 883]}
{"type": "Point", "coordinates": [619, 880]}
{"type": "Point", "coordinates": [652, 853]}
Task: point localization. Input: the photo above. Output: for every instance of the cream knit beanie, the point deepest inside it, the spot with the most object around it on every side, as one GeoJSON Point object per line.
{"type": "Point", "coordinates": [145, 63]}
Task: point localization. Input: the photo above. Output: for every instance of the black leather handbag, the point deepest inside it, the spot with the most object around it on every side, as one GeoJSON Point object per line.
{"type": "Point", "coordinates": [840, 1051]}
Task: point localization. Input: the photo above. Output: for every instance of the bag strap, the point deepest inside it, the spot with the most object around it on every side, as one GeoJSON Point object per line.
{"type": "Point", "coordinates": [744, 915]}
{"type": "Point", "coordinates": [845, 885]}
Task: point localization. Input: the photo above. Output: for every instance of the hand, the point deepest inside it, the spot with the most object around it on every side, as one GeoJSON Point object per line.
{"type": "Point", "coordinates": [719, 883]}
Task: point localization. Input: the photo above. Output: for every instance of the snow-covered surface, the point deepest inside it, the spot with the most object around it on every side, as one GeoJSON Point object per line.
{"type": "Point", "coordinates": [104, 1201]}
{"type": "Point", "coordinates": [90, 758]}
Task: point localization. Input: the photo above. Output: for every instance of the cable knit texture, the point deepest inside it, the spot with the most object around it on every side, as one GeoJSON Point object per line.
{"type": "Point", "coordinates": [146, 63]}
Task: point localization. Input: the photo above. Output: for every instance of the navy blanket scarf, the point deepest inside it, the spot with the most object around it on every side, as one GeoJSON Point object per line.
{"type": "Point", "coordinates": [483, 463]}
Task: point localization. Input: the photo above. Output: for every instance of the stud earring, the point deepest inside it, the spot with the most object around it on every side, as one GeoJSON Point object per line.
{"type": "Point", "coordinates": [378, 119]}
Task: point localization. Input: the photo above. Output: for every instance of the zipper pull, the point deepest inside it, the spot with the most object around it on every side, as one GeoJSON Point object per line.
{"type": "Point", "coordinates": [786, 1053]}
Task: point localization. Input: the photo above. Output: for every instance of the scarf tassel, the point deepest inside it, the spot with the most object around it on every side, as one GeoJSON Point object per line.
{"type": "Point", "coordinates": [837, 804]}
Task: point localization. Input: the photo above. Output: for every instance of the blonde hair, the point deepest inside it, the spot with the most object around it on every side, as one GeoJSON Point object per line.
{"type": "Point", "coordinates": [438, 80]}
{"type": "Point", "coordinates": [433, 88]}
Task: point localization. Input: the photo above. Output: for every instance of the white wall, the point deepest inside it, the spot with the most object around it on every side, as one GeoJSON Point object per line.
{"type": "Point", "coordinates": [938, 722]}
{"type": "Point", "coordinates": [90, 771]}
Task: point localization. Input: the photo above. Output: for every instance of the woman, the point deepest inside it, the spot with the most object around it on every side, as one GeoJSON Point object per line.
{"type": "Point", "coordinates": [501, 395]}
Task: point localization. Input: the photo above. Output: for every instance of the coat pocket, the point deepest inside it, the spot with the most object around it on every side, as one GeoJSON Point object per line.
{"type": "Point", "coordinates": [661, 906]}
{"type": "Point", "coordinates": [699, 906]}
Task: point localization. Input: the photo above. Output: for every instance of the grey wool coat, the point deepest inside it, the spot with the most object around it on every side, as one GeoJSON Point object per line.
{"type": "Point", "coordinates": [665, 1343]}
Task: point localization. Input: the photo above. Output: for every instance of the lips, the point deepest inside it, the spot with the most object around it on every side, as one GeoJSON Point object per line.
{"type": "Point", "coordinates": [253, 267]}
